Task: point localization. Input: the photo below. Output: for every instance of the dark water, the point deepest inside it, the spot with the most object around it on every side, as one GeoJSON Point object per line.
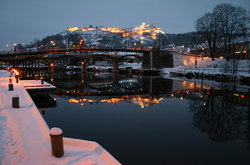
{"type": "Point", "coordinates": [155, 120]}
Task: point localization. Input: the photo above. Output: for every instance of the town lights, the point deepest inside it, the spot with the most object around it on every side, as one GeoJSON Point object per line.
{"type": "Point", "coordinates": [53, 43]}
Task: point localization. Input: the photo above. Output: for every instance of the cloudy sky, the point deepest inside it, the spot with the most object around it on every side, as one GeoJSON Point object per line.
{"type": "Point", "coordinates": [23, 20]}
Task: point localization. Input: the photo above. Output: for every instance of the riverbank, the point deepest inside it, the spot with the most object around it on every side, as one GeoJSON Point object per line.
{"type": "Point", "coordinates": [24, 135]}
{"type": "Point", "coordinates": [218, 69]}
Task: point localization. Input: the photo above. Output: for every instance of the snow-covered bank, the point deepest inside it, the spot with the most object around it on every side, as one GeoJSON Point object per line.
{"type": "Point", "coordinates": [185, 63]}
{"type": "Point", "coordinates": [24, 135]}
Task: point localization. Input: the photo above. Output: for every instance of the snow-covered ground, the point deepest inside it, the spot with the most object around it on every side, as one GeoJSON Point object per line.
{"type": "Point", "coordinates": [24, 135]}
{"type": "Point", "coordinates": [206, 65]}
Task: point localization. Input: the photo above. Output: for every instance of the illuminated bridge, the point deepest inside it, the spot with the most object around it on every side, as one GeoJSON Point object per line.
{"type": "Point", "coordinates": [150, 58]}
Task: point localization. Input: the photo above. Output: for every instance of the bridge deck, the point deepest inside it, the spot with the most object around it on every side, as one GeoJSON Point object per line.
{"type": "Point", "coordinates": [63, 51]}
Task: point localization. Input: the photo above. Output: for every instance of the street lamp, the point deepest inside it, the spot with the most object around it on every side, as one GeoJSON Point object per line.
{"type": "Point", "coordinates": [14, 46]}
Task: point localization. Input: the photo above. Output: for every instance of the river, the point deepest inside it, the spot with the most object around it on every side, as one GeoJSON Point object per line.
{"type": "Point", "coordinates": [152, 120]}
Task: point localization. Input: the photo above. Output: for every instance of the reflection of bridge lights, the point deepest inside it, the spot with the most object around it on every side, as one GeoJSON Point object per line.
{"type": "Point", "coordinates": [172, 95]}
{"type": "Point", "coordinates": [181, 97]}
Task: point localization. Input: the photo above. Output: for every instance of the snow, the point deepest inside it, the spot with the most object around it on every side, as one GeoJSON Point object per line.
{"type": "Point", "coordinates": [183, 63]}
{"type": "Point", "coordinates": [36, 84]}
{"type": "Point", "coordinates": [56, 131]}
{"type": "Point", "coordinates": [24, 135]}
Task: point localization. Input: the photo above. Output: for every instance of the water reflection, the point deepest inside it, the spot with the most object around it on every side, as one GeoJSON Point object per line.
{"type": "Point", "coordinates": [142, 101]}
{"type": "Point", "coordinates": [175, 111]}
{"type": "Point", "coordinates": [221, 114]}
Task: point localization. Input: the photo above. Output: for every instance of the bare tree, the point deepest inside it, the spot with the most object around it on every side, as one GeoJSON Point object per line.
{"type": "Point", "coordinates": [232, 22]}
{"type": "Point", "coordinates": [224, 25]}
{"type": "Point", "coordinates": [207, 25]}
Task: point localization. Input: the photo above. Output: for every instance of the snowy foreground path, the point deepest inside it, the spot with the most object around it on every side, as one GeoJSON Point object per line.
{"type": "Point", "coordinates": [24, 135]}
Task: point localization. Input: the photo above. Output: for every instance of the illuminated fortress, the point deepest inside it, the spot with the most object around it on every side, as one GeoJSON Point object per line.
{"type": "Point", "coordinates": [141, 31]}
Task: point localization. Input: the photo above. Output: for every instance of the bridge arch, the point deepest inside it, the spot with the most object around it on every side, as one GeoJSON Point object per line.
{"type": "Point", "coordinates": [132, 58]}
{"type": "Point", "coordinates": [64, 60]}
{"type": "Point", "coordinates": [90, 59]}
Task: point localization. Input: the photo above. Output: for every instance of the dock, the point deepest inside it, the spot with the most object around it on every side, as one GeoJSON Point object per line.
{"type": "Point", "coordinates": [25, 136]}
{"type": "Point", "coordinates": [36, 85]}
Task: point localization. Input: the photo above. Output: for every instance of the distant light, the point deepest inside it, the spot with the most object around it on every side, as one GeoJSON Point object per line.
{"type": "Point", "coordinates": [244, 51]}
{"type": "Point", "coordinates": [242, 96]}
{"type": "Point", "coordinates": [221, 57]}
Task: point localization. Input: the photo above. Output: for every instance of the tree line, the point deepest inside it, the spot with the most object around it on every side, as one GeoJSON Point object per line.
{"type": "Point", "coordinates": [222, 27]}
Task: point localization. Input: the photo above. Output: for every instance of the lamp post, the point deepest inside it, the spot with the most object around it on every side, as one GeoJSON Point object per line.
{"type": "Point", "coordinates": [67, 39]}
{"type": "Point", "coordinates": [14, 46]}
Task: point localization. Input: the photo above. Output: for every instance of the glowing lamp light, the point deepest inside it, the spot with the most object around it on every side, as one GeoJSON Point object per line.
{"type": "Point", "coordinates": [242, 96]}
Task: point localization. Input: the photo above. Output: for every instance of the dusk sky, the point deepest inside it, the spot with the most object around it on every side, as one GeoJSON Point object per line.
{"type": "Point", "coordinates": [24, 20]}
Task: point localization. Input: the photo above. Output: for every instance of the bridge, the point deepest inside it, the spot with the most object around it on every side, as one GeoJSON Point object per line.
{"type": "Point", "coordinates": [62, 57]}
